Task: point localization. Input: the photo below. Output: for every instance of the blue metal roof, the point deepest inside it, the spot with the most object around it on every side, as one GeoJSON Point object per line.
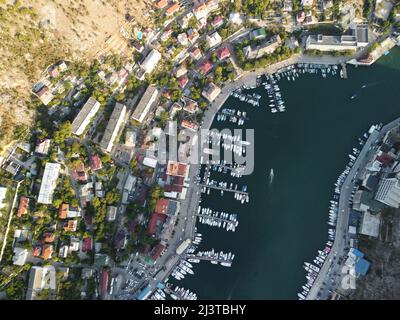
{"type": "Point", "coordinates": [362, 267]}
{"type": "Point", "coordinates": [357, 253]}
{"type": "Point", "coordinates": [160, 285]}
{"type": "Point", "coordinates": [142, 294]}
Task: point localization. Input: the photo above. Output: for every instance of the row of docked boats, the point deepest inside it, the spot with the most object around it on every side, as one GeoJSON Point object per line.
{"type": "Point", "coordinates": [182, 269]}
{"type": "Point", "coordinates": [223, 258]}
{"type": "Point", "coordinates": [250, 98]}
{"type": "Point", "coordinates": [179, 293]}
{"type": "Point", "coordinates": [232, 115]}
{"type": "Point", "coordinates": [313, 270]}
{"type": "Point", "coordinates": [218, 219]}
{"type": "Point", "coordinates": [276, 102]}
{"type": "Point", "coordinates": [235, 170]}
{"type": "Point", "coordinates": [314, 68]}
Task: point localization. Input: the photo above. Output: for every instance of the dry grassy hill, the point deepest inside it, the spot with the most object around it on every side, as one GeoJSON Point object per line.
{"type": "Point", "coordinates": [36, 33]}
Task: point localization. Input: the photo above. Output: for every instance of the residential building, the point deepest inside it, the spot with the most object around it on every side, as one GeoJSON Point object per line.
{"type": "Point", "coordinates": [150, 162]}
{"type": "Point", "coordinates": [166, 34]}
{"type": "Point", "coordinates": [151, 61]}
{"type": "Point", "coordinates": [23, 206]}
{"type": "Point", "coordinates": [177, 169]}
{"type": "Point", "coordinates": [211, 91]}
{"type": "Point", "coordinates": [184, 21]}
{"type": "Point", "coordinates": [192, 36]}
{"type": "Point", "coordinates": [47, 252]}
{"type": "Point", "coordinates": [189, 105]}
{"type": "Point", "coordinates": [195, 53]}
{"type": "Point", "coordinates": [3, 195]}
{"type": "Point", "coordinates": [183, 81]}
{"type": "Point", "coordinates": [258, 34]}
{"type": "Point", "coordinates": [84, 116]}
{"type": "Point", "coordinates": [307, 3]}
{"type": "Point", "coordinates": [40, 278]}
{"type": "Point", "coordinates": [146, 102]}
{"type": "Point", "coordinates": [187, 124]}
{"type": "Point", "coordinates": [213, 39]}
{"type": "Point", "coordinates": [181, 70]}
{"type": "Point", "coordinates": [95, 162]}
{"type": "Point", "coordinates": [111, 213]}
{"type": "Point", "coordinates": [236, 18]}
{"type": "Point", "coordinates": [223, 53]}
{"type": "Point", "coordinates": [173, 8]}
{"type": "Point", "coordinates": [156, 223]}
{"type": "Point", "coordinates": [357, 39]}
{"type": "Point", "coordinates": [205, 67]}
{"type": "Point", "coordinates": [217, 22]}
{"type": "Point", "coordinates": [20, 256]}
{"type": "Point", "coordinates": [113, 126]}
{"type": "Point", "coordinates": [267, 47]}
{"type": "Point", "coordinates": [70, 225]}
{"type": "Point", "coordinates": [67, 212]}
{"type": "Point", "coordinates": [43, 147]}
{"type": "Point", "coordinates": [389, 191]}
{"type": "Point", "coordinates": [183, 39]}
{"type": "Point", "coordinates": [200, 11]}
{"type": "Point", "coordinates": [49, 183]}
{"type": "Point", "coordinates": [161, 4]}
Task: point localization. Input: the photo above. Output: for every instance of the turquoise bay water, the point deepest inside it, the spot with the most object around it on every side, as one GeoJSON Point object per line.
{"type": "Point", "coordinates": [285, 222]}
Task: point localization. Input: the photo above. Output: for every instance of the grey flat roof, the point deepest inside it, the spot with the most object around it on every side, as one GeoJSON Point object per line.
{"type": "Point", "coordinates": [144, 101]}
{"type": "Point", "coordinates": [362, 34]}
{"type": "Point", "coordinates": [111, 125]}
{"type": "Point", "coordinates": [83, 113]}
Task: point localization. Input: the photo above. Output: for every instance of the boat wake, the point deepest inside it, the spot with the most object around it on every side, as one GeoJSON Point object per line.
{"type": "Point", "coordinates": [271, 176]}
{"type": "Point", "coordinates": [372, 84]}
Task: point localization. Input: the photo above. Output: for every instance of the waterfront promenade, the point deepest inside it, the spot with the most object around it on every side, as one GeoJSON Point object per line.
{"type": "Point", "coordinates": [331, 269]}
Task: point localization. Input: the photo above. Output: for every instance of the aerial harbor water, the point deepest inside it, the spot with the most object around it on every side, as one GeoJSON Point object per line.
{"type": "Point", "coordinates": [298, 157]}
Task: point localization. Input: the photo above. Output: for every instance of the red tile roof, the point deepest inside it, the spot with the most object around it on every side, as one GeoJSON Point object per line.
{"type": "Point", "coordinates": [104, 282]}
{"type": "Point", "coordinates": [217, 21]}
{"type": "Point", "coordinates": [223, 53]}
{"type": "Point", "coordinates": [23, 206]}
{"type": "Point", "coordinates": [47, 251]}
{"type": "Point", "coordinates": [205, 67]}
{"type": "Point", "coordinates": [87, 244]}
{"type": "Point", "coordinates": [173, 8]}
{"type": "Point", "coordinates": [196, 52]}
{"type": "Point", "coordinates": [95, 162]}
{"type": "Point", "coordinates": [156, 252]}
{"type": "Point", "coordinates": [161, 4]}
{"type": "Point", "coordinates": [162, 206]}
{"type": "Point", "coordinates": [183, 81]}
{"type": "Point", "coordinates": [176, 168]}
{"type": "Point", "coordinates": [157, 219]}
{"type": "Point", "coordinates": [62, 211]}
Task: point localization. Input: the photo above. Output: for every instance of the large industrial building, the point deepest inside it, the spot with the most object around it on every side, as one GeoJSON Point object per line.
{"type": "Point", "coordinates": [145, 103]}
{"type": "Point", "coordinates": [357, 39]}
{"type": "Point", "coordinates": [49, 182]}
{"type": "Point", "coordinates": [84, 116]}
{"type": "Point", "coordinates": [113, 126]}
